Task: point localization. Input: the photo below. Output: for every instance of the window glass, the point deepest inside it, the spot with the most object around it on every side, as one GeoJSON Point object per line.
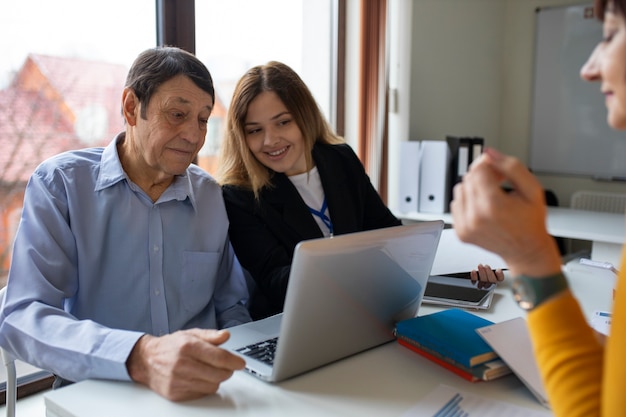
{"type": "Point", "coordinates": [62, 71]}
{"type": "Point", "coordinates": [65, 61]}
{"type": "Point", "coordinates": [233, 36]}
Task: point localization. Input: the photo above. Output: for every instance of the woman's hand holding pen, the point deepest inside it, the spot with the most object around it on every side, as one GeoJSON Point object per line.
{"type": "Point", "coordinates": [508, 223]}
{"type": "Point", "coordinates": [485, 276]}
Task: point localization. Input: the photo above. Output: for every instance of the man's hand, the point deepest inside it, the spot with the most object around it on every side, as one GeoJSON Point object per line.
{"type": "Point", "coordinates": [184, 365]}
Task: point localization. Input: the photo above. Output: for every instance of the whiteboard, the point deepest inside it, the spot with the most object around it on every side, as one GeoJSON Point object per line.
{"type": "Point", "coordinates": [569, 133]}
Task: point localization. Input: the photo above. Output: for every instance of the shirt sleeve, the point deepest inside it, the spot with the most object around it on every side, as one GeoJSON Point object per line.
{"type": "Point", "coordinates": [43, 275]}
{"type": "Point", "coordinates": [231, 293]}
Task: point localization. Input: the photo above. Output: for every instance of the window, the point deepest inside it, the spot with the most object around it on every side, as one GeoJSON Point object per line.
{"type": "Point", "coordinates": [233, 36]}
{"type": "Point", "coordinates": [63, 68]}
{"type": "Point", "coordinates": [64, 63]}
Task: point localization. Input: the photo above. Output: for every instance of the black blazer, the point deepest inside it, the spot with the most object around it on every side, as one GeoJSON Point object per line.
{"type": "Point", "coordinates": [264, 233]}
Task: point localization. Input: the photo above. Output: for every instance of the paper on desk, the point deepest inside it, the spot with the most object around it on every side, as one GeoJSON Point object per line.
{"type": "Point", "coordinates": [601, 321]}
{"type": "Point", "coordinates": [445, 401]}
{"type": "Point", "coordinates": [511, 341]}
{"type": "Point", "coordinates": [456, 256]}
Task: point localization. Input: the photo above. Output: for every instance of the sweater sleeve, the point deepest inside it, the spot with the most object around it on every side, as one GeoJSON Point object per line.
{"type": "Point", "coordinates": [568, 355]}
{"type": "Point", "coordinates": [582, 377]}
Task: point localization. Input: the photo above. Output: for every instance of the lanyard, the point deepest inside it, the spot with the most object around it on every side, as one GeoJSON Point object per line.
{"type": "Point", "coordinates": [322, 215]}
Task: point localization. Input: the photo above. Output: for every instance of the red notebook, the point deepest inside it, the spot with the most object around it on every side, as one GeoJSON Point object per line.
{"type": "Point", "coordinates": [483, 372]}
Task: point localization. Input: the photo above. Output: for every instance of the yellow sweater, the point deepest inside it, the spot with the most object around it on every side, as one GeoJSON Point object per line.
{"type": "Point", "coordinates": [581, 377]}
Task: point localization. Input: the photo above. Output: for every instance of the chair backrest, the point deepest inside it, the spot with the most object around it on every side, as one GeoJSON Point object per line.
{"type": "Point", "coordinates": [9, 363]}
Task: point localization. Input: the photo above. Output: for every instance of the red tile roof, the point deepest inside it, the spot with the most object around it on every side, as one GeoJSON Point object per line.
{"type": "Point", "coordinates": [31, 129]}
{"type": "Point", "coordinates": [87, 87]}
{"type": "Point", "coordinates": [51, 105]}
{"type": "Point", "coordinates": [56, 104]}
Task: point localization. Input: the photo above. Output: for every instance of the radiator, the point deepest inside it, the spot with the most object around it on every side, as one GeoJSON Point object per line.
{"type": "Point", "coordinates": [598, 201]}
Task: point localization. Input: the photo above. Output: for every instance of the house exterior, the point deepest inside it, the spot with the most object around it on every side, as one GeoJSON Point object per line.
{"type": "Point", "coordinates": [56, 104]}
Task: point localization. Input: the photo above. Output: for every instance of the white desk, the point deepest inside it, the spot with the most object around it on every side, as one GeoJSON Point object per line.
{"type": "Point", "coordinates": [385, 381]}
{"type": "Point", "coordinates": [606, 231]}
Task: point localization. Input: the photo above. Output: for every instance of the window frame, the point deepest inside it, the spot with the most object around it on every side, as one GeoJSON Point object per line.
{"type": "Point", "coordinates": [176, 26]}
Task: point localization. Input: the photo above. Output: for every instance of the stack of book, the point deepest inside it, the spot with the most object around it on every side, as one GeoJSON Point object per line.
{"type": "Point", "coordinates": [449, 338]}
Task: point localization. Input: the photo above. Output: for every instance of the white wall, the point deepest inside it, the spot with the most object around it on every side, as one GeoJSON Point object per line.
{"type": "Point", "coordinates": [456, 61]}
{"type": "Point", "coordinates": [471, 74]}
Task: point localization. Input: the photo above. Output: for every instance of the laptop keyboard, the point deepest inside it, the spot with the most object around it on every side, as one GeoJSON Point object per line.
{"type": "Point", "coordinates": [263, 351]}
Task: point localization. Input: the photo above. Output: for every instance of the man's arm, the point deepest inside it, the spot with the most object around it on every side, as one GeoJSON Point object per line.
{"type": "Point", "coordinates": [33, 323]}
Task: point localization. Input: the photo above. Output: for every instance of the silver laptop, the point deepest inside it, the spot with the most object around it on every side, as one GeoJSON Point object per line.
{"type": "Point", "coordinates": [344, 296]}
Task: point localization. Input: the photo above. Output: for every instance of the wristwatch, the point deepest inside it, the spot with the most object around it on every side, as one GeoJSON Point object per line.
{"type": "Point", "coordinates": [530, 292]}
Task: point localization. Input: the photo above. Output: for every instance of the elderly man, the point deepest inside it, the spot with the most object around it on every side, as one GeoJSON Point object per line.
{"type": "Point", "coordinates": [122, 268]}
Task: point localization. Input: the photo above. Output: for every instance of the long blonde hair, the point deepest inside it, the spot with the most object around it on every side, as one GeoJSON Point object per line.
{"type": "Point", "coordinates": [237, 165]}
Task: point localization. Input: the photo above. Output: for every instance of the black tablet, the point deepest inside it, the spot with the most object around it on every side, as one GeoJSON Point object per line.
{"type": "Point", "coordinates": [457, 290]}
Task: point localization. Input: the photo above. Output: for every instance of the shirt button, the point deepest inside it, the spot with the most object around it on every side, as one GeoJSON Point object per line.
{"type": "Point", "coordinates": [155, 248]}
{"type": "Point", "coordinates": [157, 292]}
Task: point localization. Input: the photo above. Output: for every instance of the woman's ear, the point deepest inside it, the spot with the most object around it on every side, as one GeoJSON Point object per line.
{"type": "Point", "coordinates": [130, 106]}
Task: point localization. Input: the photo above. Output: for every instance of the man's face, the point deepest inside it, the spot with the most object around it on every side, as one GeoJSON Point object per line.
{"type": "Point", "coordinates": [170, 137]}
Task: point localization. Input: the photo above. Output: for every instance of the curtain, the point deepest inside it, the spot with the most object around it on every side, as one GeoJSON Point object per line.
{"type": "Point", "coordinates": [373, 93]}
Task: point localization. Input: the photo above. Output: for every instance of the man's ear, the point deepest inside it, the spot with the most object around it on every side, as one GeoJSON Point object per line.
{"type": "Point", "coordinates": [130, 106]}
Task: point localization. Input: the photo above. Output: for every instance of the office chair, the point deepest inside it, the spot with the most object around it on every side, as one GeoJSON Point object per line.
{"type": "Point", "coordinates": [9, 363]}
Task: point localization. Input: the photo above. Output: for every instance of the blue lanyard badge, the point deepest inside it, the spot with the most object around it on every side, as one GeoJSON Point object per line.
{"type": "Point", "coordinates": [322, 215]}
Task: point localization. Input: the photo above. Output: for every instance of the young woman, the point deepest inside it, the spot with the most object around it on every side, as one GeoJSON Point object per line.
{"type": "Point", "coordinates": [287, 177]}
{"type": "Point", "coordinates": [581, 375]}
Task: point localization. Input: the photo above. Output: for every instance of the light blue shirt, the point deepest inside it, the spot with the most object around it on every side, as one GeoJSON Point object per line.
{"type": "Point", "coordinates": [96, 264]}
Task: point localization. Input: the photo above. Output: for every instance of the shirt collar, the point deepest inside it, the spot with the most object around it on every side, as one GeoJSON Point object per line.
{"type": "Point", "coordinates": [180, 189]}
{"type": "Point", "coordinates": [112, 172]}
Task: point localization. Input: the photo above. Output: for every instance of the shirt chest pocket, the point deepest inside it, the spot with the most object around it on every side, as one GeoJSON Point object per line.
{"type": "Point", "coordinates": [199, 278]}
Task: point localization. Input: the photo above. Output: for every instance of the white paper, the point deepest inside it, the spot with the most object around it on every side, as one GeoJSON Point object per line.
{"type": "Point", "coordinates": [511, 341]}
{"type": "Point", "coordinates": [601, 321]}
{"type": "Point", "coordinates": [469, 256]}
